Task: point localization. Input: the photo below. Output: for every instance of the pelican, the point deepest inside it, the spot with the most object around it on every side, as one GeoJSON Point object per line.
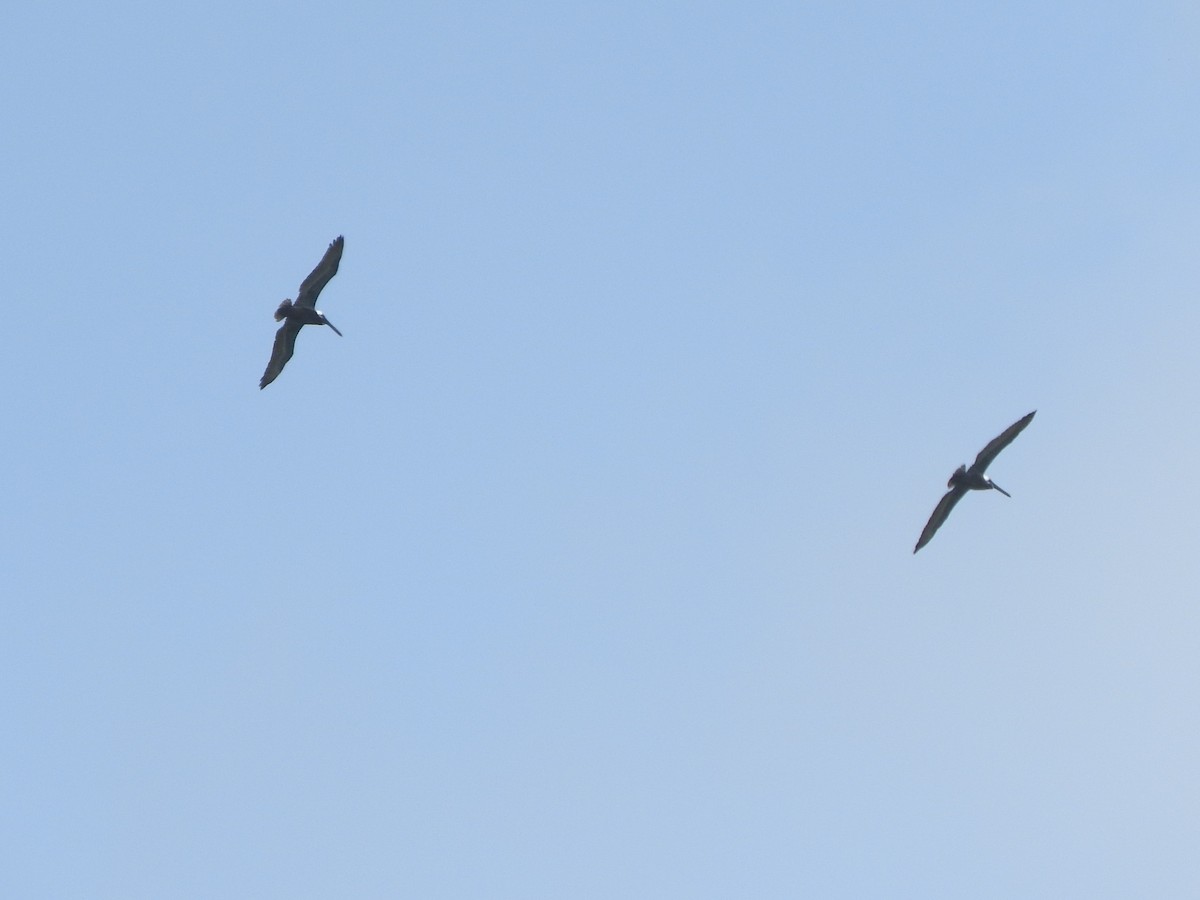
{"type": "Point", "coordinates": [971, 479]}
{"type": "Point", "coordinates": [302, 312]}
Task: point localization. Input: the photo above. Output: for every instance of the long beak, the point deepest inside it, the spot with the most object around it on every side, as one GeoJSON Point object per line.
{"type": "Point", "coordinates": [1000, 489]}
{"type": "Point", "coordinates": [330, 324]}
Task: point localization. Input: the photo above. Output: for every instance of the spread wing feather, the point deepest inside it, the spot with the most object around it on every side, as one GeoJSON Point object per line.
{"type": "Point", "coordinates": [319, 277]}
{"type": "Point", "coordinates": [996, 444]}
{"type": "Point", "coordinates": [285, 345]}
{"type": "Point", "coordinates": [940, 512]}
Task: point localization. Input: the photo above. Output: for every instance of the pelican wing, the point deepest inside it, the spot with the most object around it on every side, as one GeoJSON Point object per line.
{"type": "Point", "coordinates": [319, 277]}
{"type": "Point", "coordinates": [940, 512]}
{"type": "Point", "coordinates": [996, 444]}
{"type": "Point", "coordinates": [285, 345]}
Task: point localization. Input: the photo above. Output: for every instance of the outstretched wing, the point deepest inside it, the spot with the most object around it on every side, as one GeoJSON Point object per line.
{"type": "Point", "coordinates": [940, 512]}
{"type": "Point", "coordinates": [285, 345]}
{"type": "Point", "coordinates": [996, 444]}
{"type": "Point", "coordinates": [319, 277]}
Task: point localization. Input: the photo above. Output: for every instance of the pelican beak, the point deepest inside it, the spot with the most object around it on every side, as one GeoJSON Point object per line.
{"type": "Point", "coordinates": [1000, 489]}
{"type": "Point", "coordinates": [331, 325]}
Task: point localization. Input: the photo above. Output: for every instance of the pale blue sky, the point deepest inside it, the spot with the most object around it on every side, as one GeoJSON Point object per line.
{"type": "Point", "coordinates": [581, 566]}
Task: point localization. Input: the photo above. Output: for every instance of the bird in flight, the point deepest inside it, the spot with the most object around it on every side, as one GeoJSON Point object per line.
{"type": "Point", "coordinates": [971, 479]}
{"type": "Point", "coordinates": [302, 312]}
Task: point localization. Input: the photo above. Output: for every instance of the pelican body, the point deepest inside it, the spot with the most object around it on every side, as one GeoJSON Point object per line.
{"type": "Point", "coordinates": [972, 479]}
{"type": "Point", "coordinates": [302, 315]}
{"type": "Point", "coordinates": [303, 311]}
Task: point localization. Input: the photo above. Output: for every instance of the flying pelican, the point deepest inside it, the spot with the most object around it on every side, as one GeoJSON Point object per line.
{"type": "Point", "coordinates": [303, 312]}
{"type": "Point", "coordinates": [971, 479]}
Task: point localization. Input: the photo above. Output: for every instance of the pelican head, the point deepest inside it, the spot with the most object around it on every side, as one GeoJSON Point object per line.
{"type": "Point", "coordinates": [993, 484]}
{"type": "Point", "coordinates": [327, 322]}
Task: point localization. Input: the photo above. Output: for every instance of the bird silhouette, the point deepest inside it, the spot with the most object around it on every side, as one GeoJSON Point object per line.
{"type": "Point", "coordinates": [971, 479]}
{"type": "Point", "coordinates": [302, 312]}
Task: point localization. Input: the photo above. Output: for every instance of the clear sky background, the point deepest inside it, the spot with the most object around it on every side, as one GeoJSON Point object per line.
{"type": "Point", "coordinates": [582, 565]}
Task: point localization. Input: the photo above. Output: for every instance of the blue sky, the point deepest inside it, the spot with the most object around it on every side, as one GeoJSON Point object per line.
{"type": "Point", "coordinates": [581, 566]}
